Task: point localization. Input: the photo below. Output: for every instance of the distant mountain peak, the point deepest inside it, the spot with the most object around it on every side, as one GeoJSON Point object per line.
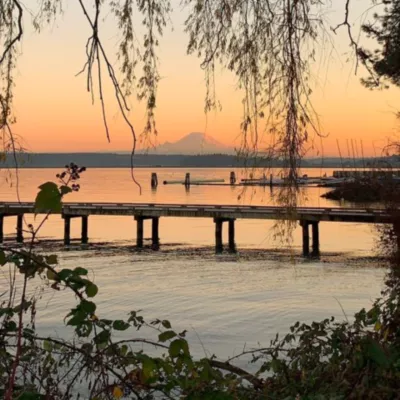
{"type": "Point", "coordinates": [193, 143]}
{"type": "Point", "coordinates": [195, 135]}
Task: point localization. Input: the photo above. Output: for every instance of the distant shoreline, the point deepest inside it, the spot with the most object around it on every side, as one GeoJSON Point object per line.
{"type": "Point", "coordinates": [193, 167]}
{"type": "Point", "coordinates": [113, 160]}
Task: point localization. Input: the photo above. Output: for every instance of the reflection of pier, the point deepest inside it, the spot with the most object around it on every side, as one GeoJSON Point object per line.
{"type": "Point", "coordinates": [307, 216]}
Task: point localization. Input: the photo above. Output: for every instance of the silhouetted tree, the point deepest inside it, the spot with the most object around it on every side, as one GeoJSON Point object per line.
{"type": "Point", "coordinates": [385, 60]}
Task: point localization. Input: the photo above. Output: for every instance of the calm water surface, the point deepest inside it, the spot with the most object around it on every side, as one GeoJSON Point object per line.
{"type": "Point", "coordinates": [226, 302]}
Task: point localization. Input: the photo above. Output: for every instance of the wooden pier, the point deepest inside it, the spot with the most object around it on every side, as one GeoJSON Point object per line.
{"type": "Point", "coordinates": [307, 216]}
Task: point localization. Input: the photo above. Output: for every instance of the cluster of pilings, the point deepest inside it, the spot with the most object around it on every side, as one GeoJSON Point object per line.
{"type": "Point", "coordinates": [20, 227]}
{"type": "Point", "coordinates": [187, 181]}
{"type": "Point", "coordinates": [84, 228]}
{"type": "Point", "coordinates": [219, 247]}
{"type": "Point", "coordinates": [306, 237]}
{"type": "Point", "coordinates": [155, 239]}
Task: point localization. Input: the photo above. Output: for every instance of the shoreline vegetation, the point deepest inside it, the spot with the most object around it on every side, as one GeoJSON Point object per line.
{"type": "Point", "coordinates": [364, 191]}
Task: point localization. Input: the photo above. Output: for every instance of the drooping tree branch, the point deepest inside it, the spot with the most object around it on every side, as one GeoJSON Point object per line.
{"type": "Point", "coordinates": [263, 44]}
{"type": "Point", "coordinates": [19, 34]}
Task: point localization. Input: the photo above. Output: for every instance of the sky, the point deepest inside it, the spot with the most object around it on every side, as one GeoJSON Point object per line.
{"type": "Point", "coordinates": [55, 113]}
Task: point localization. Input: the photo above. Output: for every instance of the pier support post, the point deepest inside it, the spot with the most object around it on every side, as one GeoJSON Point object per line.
{"type": "Point", "coordinates": [67, 230]}
{"type": "Point", "coordinates": [84, 232]}
{"type": "Point", "coordinates": [1, 228]}
{"type": "Point", "coordinates": [315, 238]}
{"type": "Point", "coordinates": [218, 235]}
{"type": "Point", "coordinates": [139, 232]}
{"type": "Point", "coordinates": [20, 222]}
{"type": "Point", "coordinates": [396, 229]}
{"type": "Point", "coordinates": [231, 233]}
{"type": "Point", "coordinates": [306, 238]}
{"type": "Point", "coordinates": [154, 233]}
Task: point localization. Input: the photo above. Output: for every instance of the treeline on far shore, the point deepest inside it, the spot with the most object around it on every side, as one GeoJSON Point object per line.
{"type": "Point", "coordinates": [119, 160]}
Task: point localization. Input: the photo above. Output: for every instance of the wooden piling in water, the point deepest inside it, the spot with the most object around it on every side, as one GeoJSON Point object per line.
{"type": "Point", "coordinates": [154, 180]}
{"type": "Point", "coordinates": [187, 180]}
{"type": "Point", "coordinates": [20, 234]}
{"type": "Point", "coordinates": [139, 232]}
{"type": "Point", "coordinates": [218, 235]}
{"type": "Point", "coordinates": [1, 228]}
{"type": "Point", "coordinates": [154, 233]}
{"type": "Point", "coordinates": [306, 238]}
{"type": "Point", "coordinates": [232, 178]}
{"type": "Point", "coordinates": [315, 238]}
{"type": "Point", "coordinates": [231, 233]}
{"type": "Point", "coordinates": [67, 230]}
{"type": "Point", "coordinates": [84, 230]}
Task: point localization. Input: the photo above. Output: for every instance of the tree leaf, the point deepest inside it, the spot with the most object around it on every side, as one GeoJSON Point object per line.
{"type": "Point", "coordinates": [377, 354]}
{"type": "Point", "coordinates": [166, 324]}
{"type": "Point", "coordinates": [3, 258]}
{"type": "Point", "coordinates": [11, 326]}
{"type": "Point", "coordinates": [102, 337]}
{"type": "Point", "coordinates": [377, 326]}
{"type": "Point", "coordinates": [51, 276]}
{"type": "Point", "coordinates": [117, 392]}
{"type": "Point", "coordinates": [84, 329]}
{"type": "Point", "coordinates": [120, 325]}
{"type": "Point", "coordinates": [64, 274]}
{"type": "Point", "coordinates": [80, 271]}
{"type": "Point", "coordinates": [167, 335]}
{"type": "Point", "coordinates": [48, 198]}
{"type": "Point", "coordinates": [87, 348]}
{"type": "Point", "coordinates": [177, 346]}
{"type": "Point", "coordinates": [65, 190]}
{"type": "Point", "coordinates": [88, 306]}
{"type": "Point", "coordinates": [77, 319]}
{"type": "Point", "coordinates": [123, 350]}
{"type": "Point", "coordinates": [31, 396]}
{"type": "Point", "coordinates": [91, 289]}
{"type": "Point", "coordinates": [48, 346]}
{"type": "Point", "coordinates": [24, 306]}
{"type": "Point", "coordinates": [52, 259]}
{"type": "Point", "coordinates": [148, 368]}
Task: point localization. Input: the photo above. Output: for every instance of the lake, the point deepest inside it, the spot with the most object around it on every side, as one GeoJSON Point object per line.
{"type": "Point", "coordinates": [226, 301]}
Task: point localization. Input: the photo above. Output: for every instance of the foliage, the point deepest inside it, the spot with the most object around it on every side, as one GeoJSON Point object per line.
{"type": "Point", "coordinates": [365, 190]}
{"type": "Point", "coordinates": [385, 60]}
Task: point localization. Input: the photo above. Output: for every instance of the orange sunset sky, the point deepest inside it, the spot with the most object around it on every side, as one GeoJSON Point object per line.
{"type": "Point", "coordinates": [54, 112]}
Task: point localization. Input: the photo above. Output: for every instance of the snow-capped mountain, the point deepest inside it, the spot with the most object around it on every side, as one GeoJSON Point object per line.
{"type": "Point", "coordinates": [194, 143]}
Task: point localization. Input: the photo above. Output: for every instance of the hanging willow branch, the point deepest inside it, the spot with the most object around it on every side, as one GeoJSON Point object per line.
{"type": "Point", "coordinates": [155, 14]}
{"type": "Point", "coordinates": [11, 33]}
{"type": "Point", "coordinates": [98, 64]}
{"type": "Point", "coordinates": [269, 46]}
